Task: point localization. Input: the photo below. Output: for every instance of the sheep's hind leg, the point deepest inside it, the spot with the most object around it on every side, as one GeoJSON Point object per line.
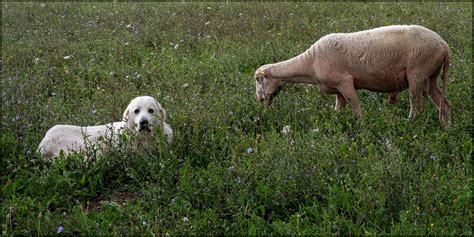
{"type": "Point", "coordinates": [340, 102]}
{"type": "Point", "coordinates": [442, 104]}
{"type": "Point", "coordinates": [415, 92]}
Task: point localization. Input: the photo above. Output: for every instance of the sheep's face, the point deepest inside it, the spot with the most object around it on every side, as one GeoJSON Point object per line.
{"type": "Point", "coordinates": [266, 87]}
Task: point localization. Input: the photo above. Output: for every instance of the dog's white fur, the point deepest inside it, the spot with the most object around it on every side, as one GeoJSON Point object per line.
{"type": "Point", "coordinates": [143, 114]}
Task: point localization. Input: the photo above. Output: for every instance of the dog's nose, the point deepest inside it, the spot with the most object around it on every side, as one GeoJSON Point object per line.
{"type": "Point", "coordinates": [144, 123]}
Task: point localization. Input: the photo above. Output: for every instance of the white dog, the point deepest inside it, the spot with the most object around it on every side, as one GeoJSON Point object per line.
{"type": "Point", "coordinates": [143, 114]}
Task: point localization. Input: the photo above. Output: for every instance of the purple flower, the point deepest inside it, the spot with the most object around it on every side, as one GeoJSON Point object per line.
{"type": "Point", "coordinates": [60, 229]}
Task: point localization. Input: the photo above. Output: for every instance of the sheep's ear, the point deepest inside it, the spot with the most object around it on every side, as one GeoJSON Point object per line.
{"type": "Point", "coordinates": [260, 75]}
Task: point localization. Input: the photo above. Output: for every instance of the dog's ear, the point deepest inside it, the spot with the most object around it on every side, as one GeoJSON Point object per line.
{"type": "Point", "coordinates": [125, 114]}
{"type": "Point", "coordinates": [163, 114]}
{"type": "Point", "coordinates": [162, 111]}
{"type": "Point", "coordinates": [126, 117]}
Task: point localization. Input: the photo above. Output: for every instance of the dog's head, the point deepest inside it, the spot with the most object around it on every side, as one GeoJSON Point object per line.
{"type": "Point", "coordinates": [144, 114]}
{"type": "Point", "coordinates": [266, 87]}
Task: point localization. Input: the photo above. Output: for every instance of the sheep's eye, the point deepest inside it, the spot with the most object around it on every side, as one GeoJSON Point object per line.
{"type": "Point", "coordinates": [136, 111]}
{"type": "Point", "coordinates": [151, 111]}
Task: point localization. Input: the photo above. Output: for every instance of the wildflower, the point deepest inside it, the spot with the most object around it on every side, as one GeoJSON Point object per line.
{"type": "Point", "coordinates": [185, 85]}
{"type": "Point", "coordinates": [176, 46]}
{"type": "Point", "coordinates": [129, 25]}
{"type": "Point", "coordinates": [94, 111]}
{"type": "Point", "coordinates": [137, 76]}
{"type": "Point", "coordinates": [185, 219]}
{"type": "Point", "coordinates": [250, 150]}
{"type": "Point", "coordinates": [144, 223]}
{"type": "Point", "coordinates": [432, 157]}
{"type": "Point", "coordinates": [207, 23]}
{"type": "Point", "coordinates": [286, 130]}
{"type": "Point", "coordinates": [60, 229]}
{"type": "Point", "coordinates": [292, 142]}
{"type": "Point", "coordinates": [67, 57]}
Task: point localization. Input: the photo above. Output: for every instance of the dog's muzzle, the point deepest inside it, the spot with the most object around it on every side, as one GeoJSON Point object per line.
{"type": "Point", "coordinates": [144, 126]}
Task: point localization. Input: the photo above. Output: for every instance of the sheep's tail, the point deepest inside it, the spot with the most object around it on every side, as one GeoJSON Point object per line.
{"type": "Point", "coordinates": [447, 60]}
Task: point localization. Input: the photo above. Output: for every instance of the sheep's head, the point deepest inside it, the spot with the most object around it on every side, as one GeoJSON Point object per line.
{"type": "Point", "coordinates": [266, 86]}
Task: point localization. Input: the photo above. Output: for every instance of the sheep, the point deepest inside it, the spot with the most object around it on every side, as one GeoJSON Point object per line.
{"type": "Point", "coordinates": [385, 59]}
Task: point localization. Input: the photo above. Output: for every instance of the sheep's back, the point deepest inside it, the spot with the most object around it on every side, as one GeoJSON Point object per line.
{"type": "Point", "coordinates": [380, 43]}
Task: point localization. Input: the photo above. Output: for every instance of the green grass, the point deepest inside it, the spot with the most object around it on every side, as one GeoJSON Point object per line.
{"type": "Point", "coordinates": [331, 174]}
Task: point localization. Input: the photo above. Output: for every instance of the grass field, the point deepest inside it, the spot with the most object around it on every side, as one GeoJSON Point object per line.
{"type": "Point", "coordinates": [230, 168]}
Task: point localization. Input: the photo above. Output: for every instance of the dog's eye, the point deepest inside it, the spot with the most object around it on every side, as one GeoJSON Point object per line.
{"type": "Point", "coordinates": [151, 111]}
{"type": "Point", "coordinates": [136, 111]}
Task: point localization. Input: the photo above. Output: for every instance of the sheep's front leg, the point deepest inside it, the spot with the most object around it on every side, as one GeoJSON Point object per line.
{"type": "Point", "coordinates": [340, 102]}
{"type": "Point", "coordinates": [392, 97]}
{"type": "Point", "coordinates": [350, 94]}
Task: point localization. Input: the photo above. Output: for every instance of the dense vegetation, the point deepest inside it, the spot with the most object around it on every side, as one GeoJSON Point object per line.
{"type": "Point", "coordinates": [230, 168]}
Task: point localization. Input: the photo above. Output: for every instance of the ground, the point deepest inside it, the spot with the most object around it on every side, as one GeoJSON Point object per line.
{"type": "Point", "coordinates": [230, 169]}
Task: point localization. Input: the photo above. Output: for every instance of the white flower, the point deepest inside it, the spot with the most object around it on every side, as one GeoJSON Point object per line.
{"type": "Point", "coordinates": [176, 46]}
{"type": "Point", "coordinates": [207, 23]}
{"type": "Point", "coordinates": [67, 57]}
{"type": "Point", "coordinates": [250, 150]}
{"type": "Point", "coordinates": [185, 85]}
{"type": "Point", "coordinates": [185, 219]}
{"type": "Point", "coordinates": [129, 25]}
{"type": "Point", "coordinates": [286, 130]}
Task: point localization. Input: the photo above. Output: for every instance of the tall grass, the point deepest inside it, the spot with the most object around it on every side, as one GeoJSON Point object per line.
{"type": "Point", "coordinates": [230, 168]}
